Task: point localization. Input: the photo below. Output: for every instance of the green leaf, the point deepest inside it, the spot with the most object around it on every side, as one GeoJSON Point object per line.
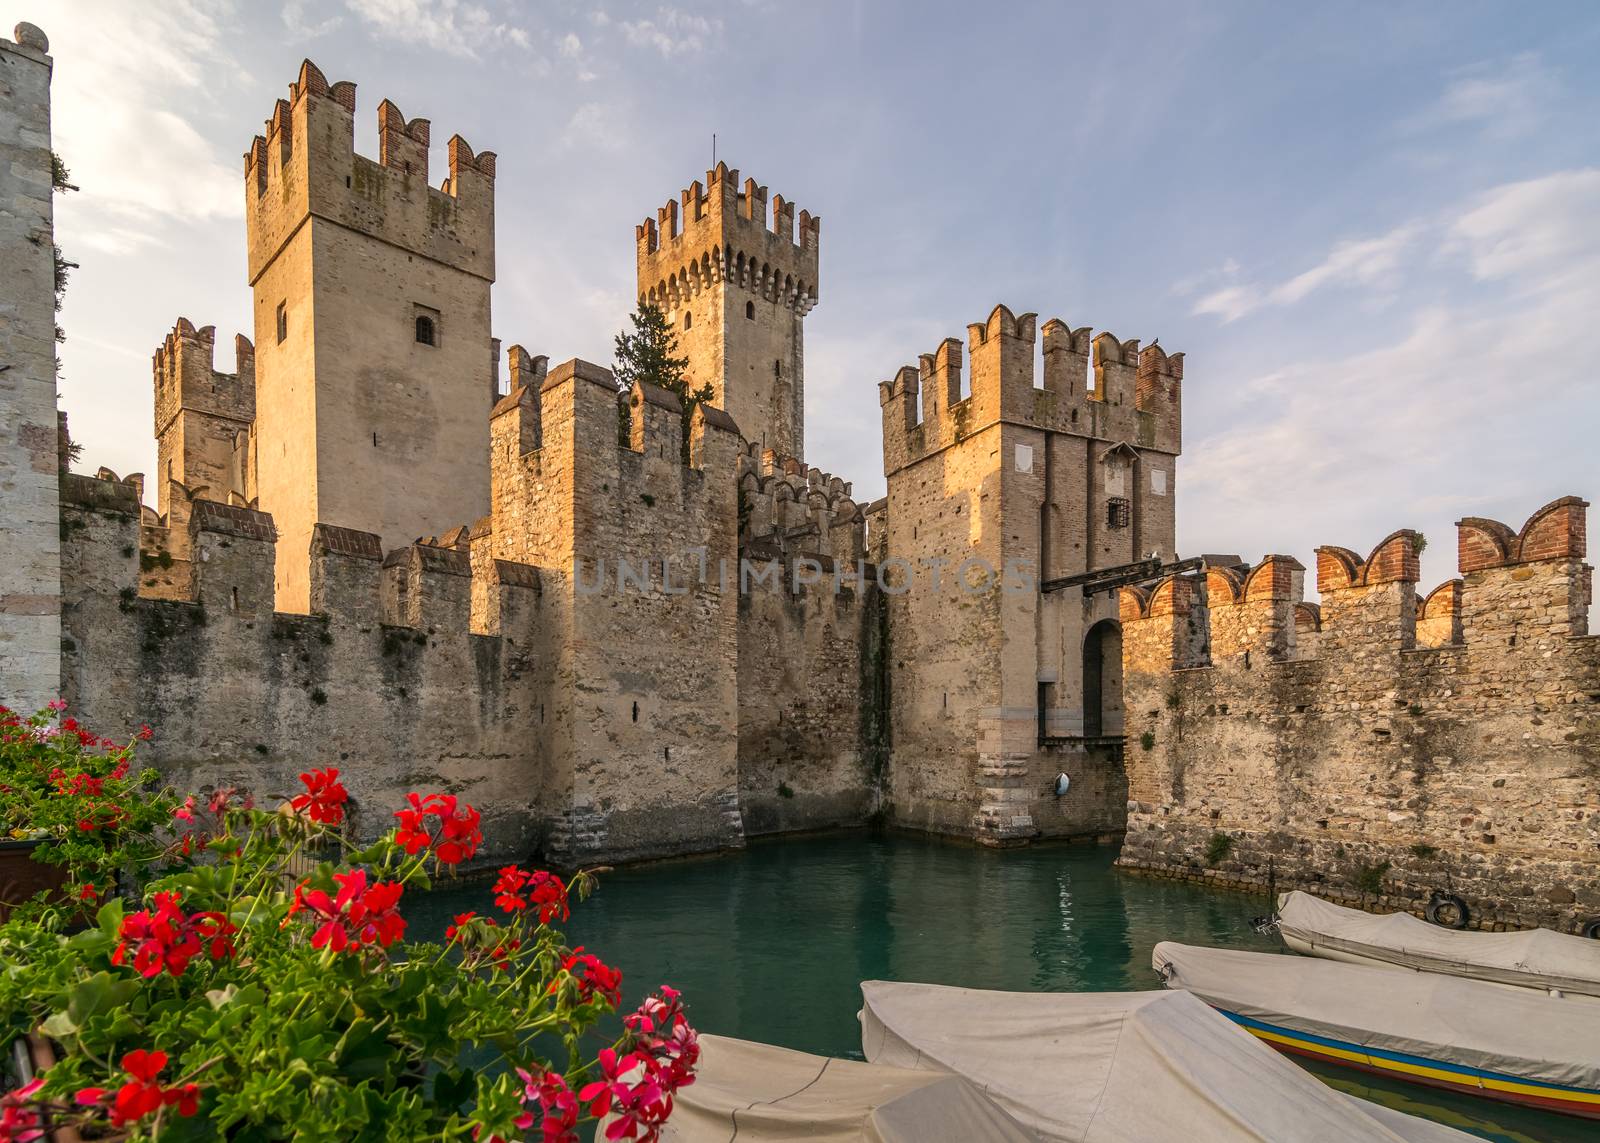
{"type": "Point", "coordinates": [109, 918]}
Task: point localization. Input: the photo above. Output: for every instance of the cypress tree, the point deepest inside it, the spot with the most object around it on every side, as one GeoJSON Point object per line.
{"type": "Point", "coordinates": [649, 354]}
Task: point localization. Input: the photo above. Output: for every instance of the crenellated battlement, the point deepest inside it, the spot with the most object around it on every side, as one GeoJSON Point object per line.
{"type": "Point", "coordinates": [1128, 396]}
{"type": "Point", "coordinates": [580, 404]}
{"type": "Point", "coordinates": [1376, 738]}
{"type": "Point", "coordinates": [717, 232]}
{"type": "Point", "coordinates": [305, 165]}
{"type": "Point", "coordinates": [786, 508]}
{"type": "Point", "coordinates": [1370, 606]}
{"type": "Point", "coordinates": [427, 585]}
{"type": "Point", "coordinates": [186, 376]}
{"type": "Point", "coordinates": [204, 421]}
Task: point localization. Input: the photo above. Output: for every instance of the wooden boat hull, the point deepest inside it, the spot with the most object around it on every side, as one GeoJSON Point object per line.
{"type": "Point", "coordinates": [1580, 1102]}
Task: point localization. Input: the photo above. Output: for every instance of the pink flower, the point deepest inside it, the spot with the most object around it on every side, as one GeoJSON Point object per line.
{"type": "Point", "coordinates": [19, 1120]}
{"type": "Point", "coordinates": [630, 1088]}
{"type": "Point", "coordinates": [557, 1117]}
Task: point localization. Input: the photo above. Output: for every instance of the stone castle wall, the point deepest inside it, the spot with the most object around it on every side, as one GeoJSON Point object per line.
{"type": "Point", "coordinates": [30, 550]}
{"type": "Point", "coordinates": [388, 681]}
{"type": "Point", "coordinates": [1399, 750]}
{"type": "Point", "coordinates": [809, 650]}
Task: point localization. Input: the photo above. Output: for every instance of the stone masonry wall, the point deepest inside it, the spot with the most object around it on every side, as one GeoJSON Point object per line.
{"type": "Point", "coordinates": [808, 650]}
{"type": "Point", "coordinates": [1381, 769]}
{"type": "Point", "coordinates": [386, 681]}
{"type": "Point", "coordinates": [30, 549]}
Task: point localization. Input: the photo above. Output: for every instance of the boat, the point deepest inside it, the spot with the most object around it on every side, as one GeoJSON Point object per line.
{"type": "Point", "coordinates": [1554, 963]}
{"type": "Point", "coordinates": [1120, 1067]}
{"type": "Point", "coordinates": [766, 1094]}
{"type": "Point", "coordinates": [1447, 1032]}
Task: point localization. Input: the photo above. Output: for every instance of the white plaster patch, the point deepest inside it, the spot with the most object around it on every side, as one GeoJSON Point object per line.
{"type": "Point", "coordinates": [1024, 458]}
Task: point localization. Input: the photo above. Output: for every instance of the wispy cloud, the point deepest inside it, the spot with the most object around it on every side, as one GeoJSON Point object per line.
{"type": "Point", "coordinates": [673, 32]}
{"type": "Point", "coordinates": [1368, 262]}
{"type": "Point", "coordinates": [112, 105]}
{"type": "Point", "coordinates": [458, 27]}
{"type": "Point", "coordinates": [1504, 99]}
{"type": "Point", "coordinates": [1519, 271]}
{"type": "Point", "coordinates": [595, 125]}
{"type": "Point", "coordinates": [303, 26]}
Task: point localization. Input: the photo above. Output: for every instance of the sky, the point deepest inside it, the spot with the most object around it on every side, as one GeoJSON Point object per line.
{"type": "Point", "coordinates": [1373, 229]}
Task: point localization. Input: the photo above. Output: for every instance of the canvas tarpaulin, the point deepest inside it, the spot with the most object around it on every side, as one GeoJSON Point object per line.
{"type": "Point", "coordinates": [1135, 1067]}
{"type": "Point", "coordinates": [1448, 1018]}
{"type": "Point", "coordinates": [762, 1094]}
{"type": "Point", "coordinates": [1534, 958]}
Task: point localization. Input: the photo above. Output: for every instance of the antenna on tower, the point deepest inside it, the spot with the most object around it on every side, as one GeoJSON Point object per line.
{"type": "Point", "coordinates": [713, 150]}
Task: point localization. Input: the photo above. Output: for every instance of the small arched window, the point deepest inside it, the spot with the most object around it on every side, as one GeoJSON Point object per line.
{"type": "Point", "coordinates": [750, 310]}
{"type": "Point", "coordinates": [688, 319]}
{"type": "Point", "coordinates": [425, 334]}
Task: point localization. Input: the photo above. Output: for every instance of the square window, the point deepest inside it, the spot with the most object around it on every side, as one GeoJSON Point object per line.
{"type": "Point", "coordinates": [1118, 511]}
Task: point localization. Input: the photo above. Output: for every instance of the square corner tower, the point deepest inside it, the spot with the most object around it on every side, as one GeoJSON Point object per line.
{"type": "Point", "coordinates": [374, 362]}
{"type": "Point", "coordinates": [736, 282]}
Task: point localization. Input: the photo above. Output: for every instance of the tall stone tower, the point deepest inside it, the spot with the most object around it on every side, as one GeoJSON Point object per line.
{"type": "Point", "coordinates": [374, 363]}
{"type": "Point", "coordinates": [1004, 494]}
{"type": "Point", "coordinates": [736, 283]}
{"type": "Point", "coordinates": [30, 538]}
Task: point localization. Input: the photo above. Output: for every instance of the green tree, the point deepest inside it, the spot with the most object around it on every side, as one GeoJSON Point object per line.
{"type": "Point", "coordinates": [649, 354]}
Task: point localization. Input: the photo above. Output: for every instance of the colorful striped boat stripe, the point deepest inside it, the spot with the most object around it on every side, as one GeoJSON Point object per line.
{"type": "Point", "coordinates": [1455, 1074]}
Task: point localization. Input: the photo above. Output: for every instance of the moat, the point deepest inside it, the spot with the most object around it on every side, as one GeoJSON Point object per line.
{"type": "Point", "coordinates": [772, 944]}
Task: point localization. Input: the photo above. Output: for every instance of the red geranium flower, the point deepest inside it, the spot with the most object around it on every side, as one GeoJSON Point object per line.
{"type": "Point", "coordinates": [143, 1095]}
{"type": "Point", "coordinates": [165, 939]}
{"type": "Point", "coordinates": [456, 836]}
{"type": "Point", "coordinates": [593, 977]}
{"type": "Point", "coordinates": [324, 798]}
{"type": "Point", "coordinates": [358, 915]}
{"type": "Point", "coordinates": [519, 889]}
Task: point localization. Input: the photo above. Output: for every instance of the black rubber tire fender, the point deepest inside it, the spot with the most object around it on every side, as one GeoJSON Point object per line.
{"type": "Point", "coordinates": [1438, 902]}
{"type": "Point", "coordinates": [1591, 929]}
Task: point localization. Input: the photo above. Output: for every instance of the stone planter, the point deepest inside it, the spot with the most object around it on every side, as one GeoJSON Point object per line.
{"type": "Point", "coordinates": [21, 876]}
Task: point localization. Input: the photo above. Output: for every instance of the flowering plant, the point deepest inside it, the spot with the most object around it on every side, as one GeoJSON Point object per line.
{"type": "Point", "coordinates": [79, 797]}
{"type": "Point", "coordinates": [250, 995]}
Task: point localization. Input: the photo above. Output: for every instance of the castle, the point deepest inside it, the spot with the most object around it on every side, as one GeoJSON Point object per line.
{"type": "Point", "coordinates": [380, 542]}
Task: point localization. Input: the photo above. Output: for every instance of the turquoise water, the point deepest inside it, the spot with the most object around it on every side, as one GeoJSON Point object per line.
{"type": "Point", "coordinates": [772, 944]}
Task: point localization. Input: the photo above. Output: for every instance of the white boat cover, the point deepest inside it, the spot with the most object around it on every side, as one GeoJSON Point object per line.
{"type": "Point", "coordinates": [763, 1094]}
{"type": "Point", "coordinates": [1448, 1018]}
{"type": "Point", "coordinates": [1533, 958]}
{"type": "Point", "coordinates": [1120, 1067]}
